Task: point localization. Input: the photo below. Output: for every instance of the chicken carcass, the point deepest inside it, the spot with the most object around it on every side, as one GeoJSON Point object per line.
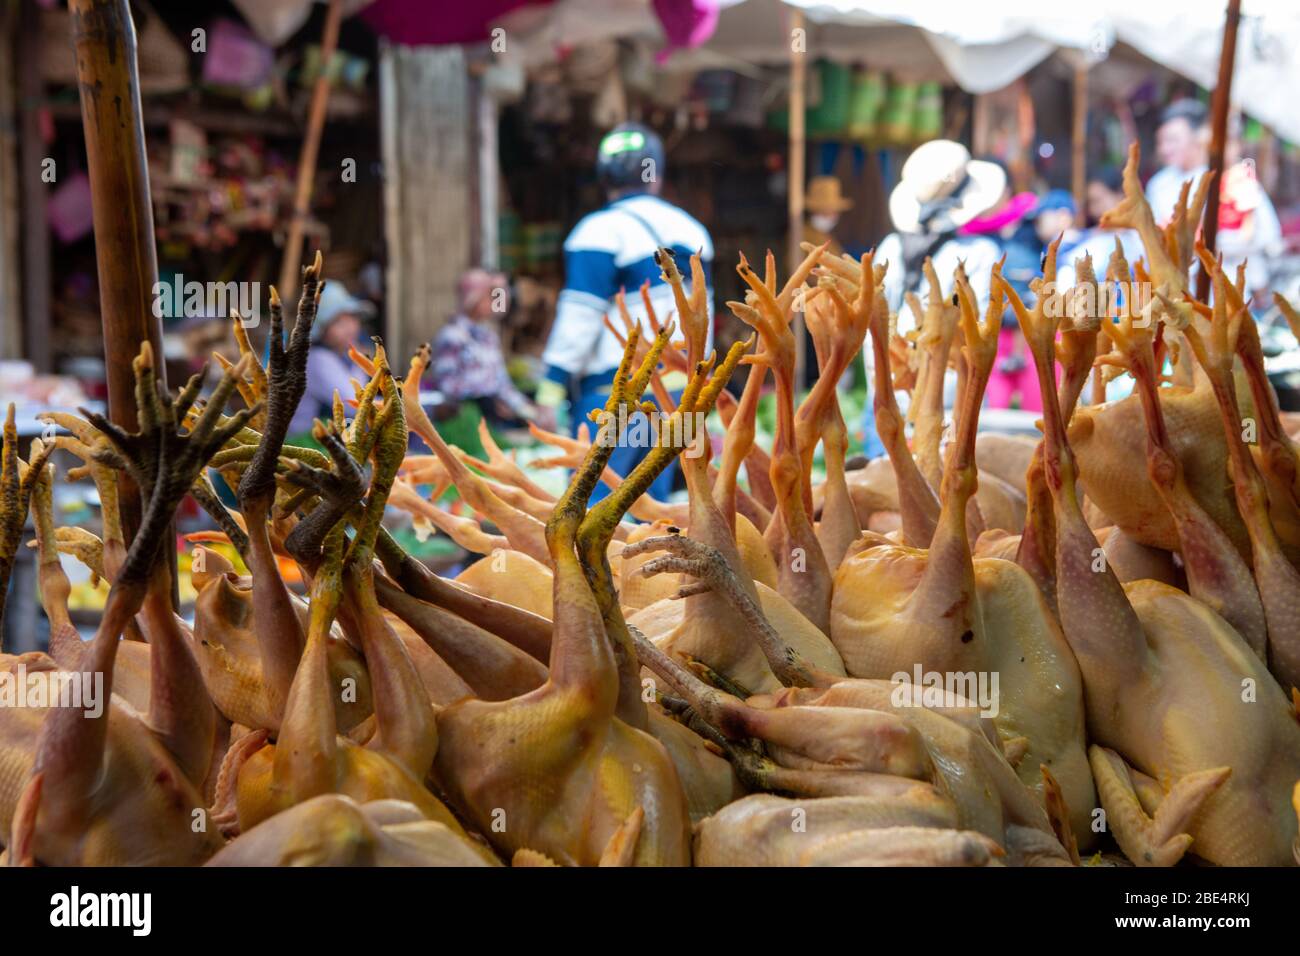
{"type": "Point", "coordinates": [1194, 746]}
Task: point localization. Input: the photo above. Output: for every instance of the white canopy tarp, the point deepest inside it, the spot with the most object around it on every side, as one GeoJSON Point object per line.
{"type": "Point", "coordinates": [1187, 38]}
{"type": "Point", "coordinates": [984, 47]}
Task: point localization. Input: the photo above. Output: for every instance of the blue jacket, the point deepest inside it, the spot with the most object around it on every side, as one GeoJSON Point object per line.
{"type": "Point", "coordinates": [611, 249]}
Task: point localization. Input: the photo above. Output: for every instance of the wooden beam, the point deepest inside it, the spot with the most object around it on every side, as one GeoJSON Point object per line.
{"type": "Point", "coordinates": [488, 175]}
{"type": "Point", "coordinates": [104, 38]}
{"type": "Point", "coordinates": [35, 195]}
{"type": "Point", "coordinates": [1219, 103]}
{"type": "Point", "coordinates": [429, 158]}
{"type": "Point", "coordinates": [797, 172]}
{"type": "Point", "coordinates": [11, 330]}
{"type": "Point", "coordinates": [289, 269]}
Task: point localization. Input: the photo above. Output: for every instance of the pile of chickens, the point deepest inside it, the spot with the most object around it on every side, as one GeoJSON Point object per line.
{"type": "Point", "coordinates": [719, 682]}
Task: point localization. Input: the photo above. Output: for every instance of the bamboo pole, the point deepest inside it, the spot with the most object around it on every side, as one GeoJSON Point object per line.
{"type": "Point", "coordinates": [320, 94]}
{"type": "Point", "coordinates": [795, 185]}
{"type": "Point", "coordinates": [1078, 147]}
{"type": "Point", "coordinates": [103, 36]}
{"type": "Point", "coordinates": [1219, 102]}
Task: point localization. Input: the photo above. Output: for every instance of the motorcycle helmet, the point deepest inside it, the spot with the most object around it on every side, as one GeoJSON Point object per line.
{"type": "Point", "coordinates": [631, 155]}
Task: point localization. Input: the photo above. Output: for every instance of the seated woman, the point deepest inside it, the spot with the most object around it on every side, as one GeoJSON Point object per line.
{"type": "Point", "coordinates": [469, 367]}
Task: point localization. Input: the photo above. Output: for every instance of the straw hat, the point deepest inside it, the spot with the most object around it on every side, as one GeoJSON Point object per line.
{"type": "Point", "coordinates": [942, 188]}
{"type": "Point", "coordinates": [824, 196]}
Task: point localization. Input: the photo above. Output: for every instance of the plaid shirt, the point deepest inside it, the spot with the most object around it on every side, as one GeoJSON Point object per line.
{"type": "Point", "coordinates": [468, 364]}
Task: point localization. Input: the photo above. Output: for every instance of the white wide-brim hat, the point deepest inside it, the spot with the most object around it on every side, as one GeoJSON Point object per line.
{"type": "Point", "coordinates": [941, 188]}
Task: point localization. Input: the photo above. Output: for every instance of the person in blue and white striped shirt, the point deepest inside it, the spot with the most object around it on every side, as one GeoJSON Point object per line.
{"type": "Point", "coordinates": [612, 249]}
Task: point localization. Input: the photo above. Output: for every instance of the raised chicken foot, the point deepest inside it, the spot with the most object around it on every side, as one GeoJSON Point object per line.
{"type": "Point", "coordinates": [486, 747]}
{"type": "Point", "coordinates": [1036, 552]}
{"type": "Point", "coordinates": [525, 532]}
{"type": "Point", "coordinates": [937, 333]}
{"type": "Point", "coordinates": [739, 448]}
{"type": "Point", "coordinates": [1217, 575]}
{"type": "Point", "coordinates": [918, 501]}
{"type": "Point", "coordinates": [339, 489]}
{"type": "Point", "coordinates": [803, 574]}
{"type": "Point", "coordinates": [692, 310]}
{"type": "Point", "coordinates": [405, 728]}
{"type": "Point", "coordinates": [309, 756]}
{"type": "Point", "coordinates": [712, 573]}
{"type": "Point", "coordinates": [1276, 577]}
{"type": "Point", "coordinates": [838, 315]}
{"type": "Point", "coordinates": [285, 382]}
{"type": "Point", "coordinates": [598, 526]}
{"type": "Point", "coordinates": [103, 558]}
{"type": "Point", "coordinates": [102, 464]}
{"type": "Point", "coordinates": [1278, 456]}
{"type": "Point", "coordinates": [16, 483]}
{"type": "Point", "coordinates": [65, 641]}
{"type": "Point", "coordinates": [82, 794]}
{"type": "Point", "coordinates": [278, 629]}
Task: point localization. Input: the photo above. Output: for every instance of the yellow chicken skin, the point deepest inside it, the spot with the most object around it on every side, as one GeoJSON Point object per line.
{"type": "Point", "coordinates": [700, 626]}
{"type": "Point", "coordinates": [334, 830]}
{"type": "Point", "coordinates": [767, 830]}
{"type": "Point", "coordinates": [555, 771]}
{"type": "Point", "coordinates": [228, 651]}
{"type": "Point", "coordinates": [309, 757]}
{"type": "Point", "coordinates": [102, 783]}
{"type": "Point", "coordinates": [827, 735]}
{"type": "Point", "coordinates": [1178, 707]}
{"type": "Point", "coordinates": [1277, 579]}
{"type": "Point", "coordinates": [144, 812]}
{"type": "Point", "coordinates": [1110, 437]}
{"type": "Point", "coordinates": [942, 611]}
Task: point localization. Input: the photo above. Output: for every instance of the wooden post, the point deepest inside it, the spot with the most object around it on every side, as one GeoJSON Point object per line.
{"type": "Point", "coordinates": [320, 94]}
{"type": "Point", "coordinates": [488, 175]}
{"type": "Point", "coordinates": [979, 127]}
{"type": "Point", "coordinates": [796, 174]}
{"type": "Point", "coordinates": [1219, 135]}
{"type": "Point", "coordinates": [104, 38]}
{"type": "Point", "coordinates": [429, 156]}
{"type": "Point", "coordinates": [1078, 147]}
{"type": "Point", "coordinates": [35, 195]}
